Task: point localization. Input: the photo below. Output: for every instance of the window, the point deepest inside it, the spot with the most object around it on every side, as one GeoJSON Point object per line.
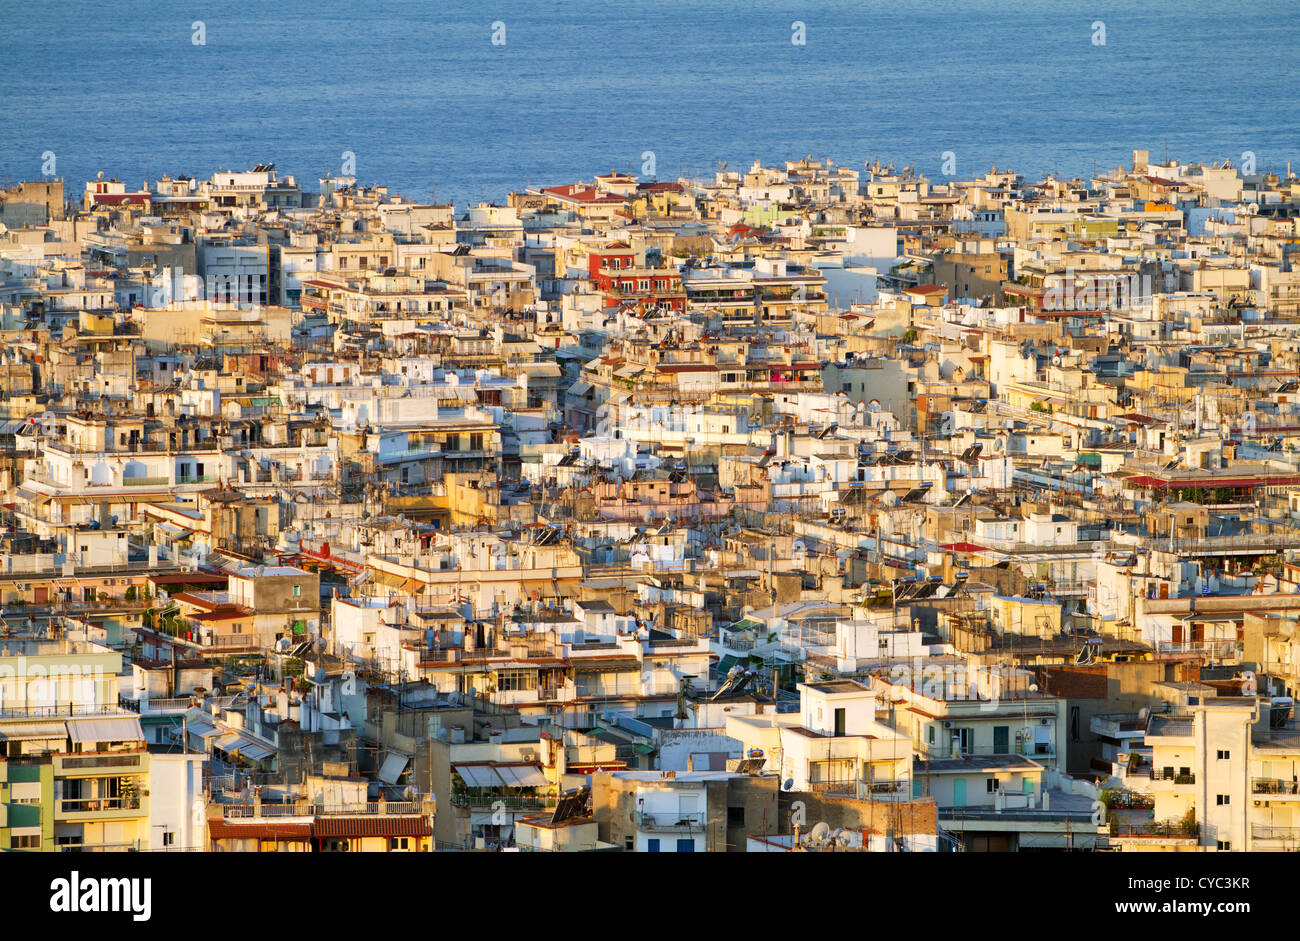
{"type": "Point", "coordinates": [991, 785]}
{"type": "Point", "coordinates": [1222, 800]}
{"type": "Point", "coordinates": [398, 843]}
{"type": "Point", "coordinates": [297, 591]}
{"type": "Point", "coordinates": [735, 816]}
{"type": "Point", "coordinates": [1225, 845]}
{"type": "Point", "coordinates": [686, 845]}
{"type": "Point", "coordinates": [516, 680]}
{"type": "Point", "coordinates": [1224, 755]}
{"type": "Point", "coordinates": [652, 846]}
{"type": "Point", "coordinates": [30, 841]}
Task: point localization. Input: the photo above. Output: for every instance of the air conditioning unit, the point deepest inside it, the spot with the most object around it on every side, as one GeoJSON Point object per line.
{"type": "Point", "coordinates": [947, 724]}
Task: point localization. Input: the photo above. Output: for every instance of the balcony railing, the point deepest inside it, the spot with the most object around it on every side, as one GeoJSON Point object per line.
{"type": "Point", "coordinates": [72, 710]}
{"type": "Point", "coordinates": [107, 760]}
{"type": "Point", "coordinates": [148, 706]}
{"type": "Point", "coordinates": [679, 821]}
{"type": "Point", "coordinates": [876, 788]}
{"type": "Point", "coordinates": [312, 809]}
{"type": "Point", "coordinates": [145, 481]}
{"type": "Point", "coordinates": [1274, 786]}
{"type": "Point", "coordinates": [472, 801]}
{"type": "Point", "coordinates": [1166, 774]}
{"type": "Point", "coordinates": [1286, 834]}
{"type": "Point", "coordinates": [1171, 830]}
{"type": "Point", "coordinates": [90, 805]}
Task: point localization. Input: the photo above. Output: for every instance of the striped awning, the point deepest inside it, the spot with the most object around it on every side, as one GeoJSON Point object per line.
{"type": "Point", "coordinates": [27, 731]}
{"type": "Point", "coordinates": [501, 775]}
{"type": "Point", "coordinates": [105, 729]}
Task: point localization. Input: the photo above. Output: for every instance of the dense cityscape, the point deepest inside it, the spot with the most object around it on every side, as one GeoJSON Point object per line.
{"type": "Point", "coordinates": [799, 508]}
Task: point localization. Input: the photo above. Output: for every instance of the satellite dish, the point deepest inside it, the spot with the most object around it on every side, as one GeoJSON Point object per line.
{"type": "Point", "coordinates": [820, 834]}
{"type": "Point", "coordinates": [788, 785]}
{"type": "Point", "coordinates": [843, 837]}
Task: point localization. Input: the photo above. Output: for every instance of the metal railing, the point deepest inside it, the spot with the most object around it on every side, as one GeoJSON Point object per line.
{"type": "Point", "coordinates": [107, 760]}
{"type": "Point", "coordinates": [1171, 830]}
{"type": "Point", "coordinates": [1274, 786]}
{"type": "Point", "coordinates": [146, 706]}
{"type": "Point", "coordinates": [86, 805]}
{"type": "Point", "coordinates": [1288, 834]}
{"type": "Point", "coordinates": [679, 821]}
{"type": "Point", "coordinates": [471, 800]}
{"type": "Point", "coordinates": [313, 809]}
{"type": "Point", "coordinates": [70, 710]}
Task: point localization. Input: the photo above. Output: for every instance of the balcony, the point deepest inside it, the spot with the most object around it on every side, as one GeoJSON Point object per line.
{"type": "Point", "coordinates": [1171, 831]}
{"type": "Point", "coordinates": [879, 789]}
{"type": "Point", "coordinates": [1275, 787]}
{"type": "Point", "coordinates": [677, 823]}
{"type": "Point", "coordinates": [145, 481]}
{"type": "Point", "coordinates": [107, 763]}
{"type": "Point", "coordinates": [88, 809]}
{"type": "Point", "coordinates": [472, 801]}
{"type": "Point", "coordinates": [1290, 836]}
{"type": "Point", "coordinates": [311, 809]}
{"type": "Point", "coordinates": [1168, 774]}
{"type": "Point", "coordinates": [155, 706]}
{"type": "Point", "coordinates": [1118, 726]}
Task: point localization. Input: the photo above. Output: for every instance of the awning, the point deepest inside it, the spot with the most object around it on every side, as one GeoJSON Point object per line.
{"type": "Point", "coordinates": [254, 751]}
{"type": "Point", "coordinates": [630, 371]}
{"type": "Point", "coordinates": [477, 775]}
{"type": "Point", "coordinates": [201, 729]}
{"type": "Point", "coordinates": [579, 388]}
{"type": "Point", "coordinates": [502, 775]}
{"type": "Point", "coordinates": [394, 765]}
{"type": "Point", "coordinates": [26, 731]}
{"type": "Point", "coordinates": [114, 729]}
{"type": "Point", "coordinates": [234, 742]}
{"type": "Point", "coordinates": [521, 775]}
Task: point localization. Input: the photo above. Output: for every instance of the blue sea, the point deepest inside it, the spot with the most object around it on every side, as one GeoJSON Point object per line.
{"type": "Point", "coordinates": [429, 105]}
